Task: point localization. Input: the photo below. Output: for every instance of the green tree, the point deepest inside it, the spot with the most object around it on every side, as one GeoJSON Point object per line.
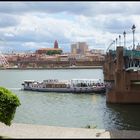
{"type": "Point", "coordinates": [52, 52]}
{"type": "Point", "coordinates": [8, 104]}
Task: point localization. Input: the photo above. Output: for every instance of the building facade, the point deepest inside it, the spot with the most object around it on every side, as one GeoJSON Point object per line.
{"type": "Point", "coordinates": [79, 48]}
{"type": "Point", "coordinates": [50, 51]}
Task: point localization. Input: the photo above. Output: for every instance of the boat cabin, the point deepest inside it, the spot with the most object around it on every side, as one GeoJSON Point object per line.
{"type": "Point", "coordinates": [85, 82]}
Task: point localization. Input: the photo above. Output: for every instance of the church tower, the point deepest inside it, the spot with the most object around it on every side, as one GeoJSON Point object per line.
{"type": "Point", "coordinates": [56, 44]}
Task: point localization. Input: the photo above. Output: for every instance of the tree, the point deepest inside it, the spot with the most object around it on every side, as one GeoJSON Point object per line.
{"type": "Point", "coordinates": [52, 52]}
{"type": "Point", "coordinates": [8, 104]}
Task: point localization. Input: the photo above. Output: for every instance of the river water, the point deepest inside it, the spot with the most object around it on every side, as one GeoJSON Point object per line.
{"type": "Point", "coordinates": [66, 109]}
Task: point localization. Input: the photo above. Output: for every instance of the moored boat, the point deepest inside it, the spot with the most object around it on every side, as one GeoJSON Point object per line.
{"type": "Point", "coordinates": [68, 86]}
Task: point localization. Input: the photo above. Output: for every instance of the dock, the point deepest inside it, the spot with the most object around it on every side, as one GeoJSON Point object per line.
{"type": "Point", "coordinates": [19, 130]}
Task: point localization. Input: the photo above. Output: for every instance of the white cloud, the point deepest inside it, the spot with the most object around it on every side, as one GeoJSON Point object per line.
{"type": "Point", "coordinates": [37, 25]}
{"type": "Point", "coordinates": [8, 34]}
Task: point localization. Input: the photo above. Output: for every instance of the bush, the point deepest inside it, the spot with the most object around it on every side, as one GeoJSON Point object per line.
{"type": "Point", "coordinates": [8, 104]}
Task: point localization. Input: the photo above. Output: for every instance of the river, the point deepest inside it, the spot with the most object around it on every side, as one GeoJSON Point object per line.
{"type": "Point", "coordinates": [66, 109]}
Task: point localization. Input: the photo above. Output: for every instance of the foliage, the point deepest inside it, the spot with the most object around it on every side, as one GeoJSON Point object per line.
{"type": "Point", "coordinates": [52, 52]}
{"type": "Point", "coordinates": [4, 137]}
{"type": "Point", "coordinates": [8, 104]}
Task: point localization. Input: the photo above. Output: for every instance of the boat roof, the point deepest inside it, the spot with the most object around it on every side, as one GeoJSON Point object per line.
{"type": "Point", "coordinates": [86, 79]}
{"type": "Point", "coordinates": [29, 80]}
{"type": "Point", "coordinates": [66, 81]}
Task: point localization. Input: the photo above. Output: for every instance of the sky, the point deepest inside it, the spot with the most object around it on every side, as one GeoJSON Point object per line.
{"type": "Point", "coordinates": [28, 26]}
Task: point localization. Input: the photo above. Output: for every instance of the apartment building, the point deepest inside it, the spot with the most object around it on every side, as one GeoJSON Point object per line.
{"type": "Point", "coordinates": [79, 48]}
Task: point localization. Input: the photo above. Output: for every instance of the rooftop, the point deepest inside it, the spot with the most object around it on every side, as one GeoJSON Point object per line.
{"type": "Point", "coordinates": [49, 49]}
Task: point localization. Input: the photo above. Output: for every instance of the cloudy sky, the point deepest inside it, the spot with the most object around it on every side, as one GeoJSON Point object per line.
{"type": "Point", "coordinates": [27, 26]}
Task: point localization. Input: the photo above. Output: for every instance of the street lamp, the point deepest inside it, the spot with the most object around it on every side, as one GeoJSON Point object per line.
{"type": "Point", "coordinates": [119, 40]}
{"type": "Point", "coordinates": [124, 34]}
{"type": "Point", "coordinates": [116, 42]}
{"type": "Point", "coordinates": [133, 30]}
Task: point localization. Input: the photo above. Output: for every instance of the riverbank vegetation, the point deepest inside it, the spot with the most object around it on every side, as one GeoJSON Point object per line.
{"type": "Point", "coordinates": [8, 104]}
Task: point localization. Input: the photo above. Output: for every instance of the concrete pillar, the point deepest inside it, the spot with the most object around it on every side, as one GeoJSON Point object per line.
{"type": "Point", "coordinates": [120, 59]}
{"type": "Point", "coordinates": [119, 74]}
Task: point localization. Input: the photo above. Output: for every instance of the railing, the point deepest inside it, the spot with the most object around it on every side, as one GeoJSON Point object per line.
{"type": "Point", "coordinates": [132, 53]}
{"type": "Point", "coordinates": [131, 59]}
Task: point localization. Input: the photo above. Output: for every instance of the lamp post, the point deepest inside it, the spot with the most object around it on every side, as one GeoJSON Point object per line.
{"type": "Point", "coordinates": [116, 42]}
{"type": "Point", "coordinates": [119, 40]}
{"type": "Point", "coordinates": [124, 34]}
{"type": "Point", "coordinates": [133, 30]}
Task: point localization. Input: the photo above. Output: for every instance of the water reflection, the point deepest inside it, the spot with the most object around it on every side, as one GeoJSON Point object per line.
{"type": "Point", "coordinates": [122, 116]}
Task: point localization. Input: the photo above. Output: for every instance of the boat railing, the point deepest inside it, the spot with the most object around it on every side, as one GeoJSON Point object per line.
{"type": "Point", "coordinates": [29, 81]}
{"type": "Point", "coordinates": [50, 80]}
{"type": "Point", "coordinates": [86, 82]}
{"type": "Point", "coordinates": [89, 83]}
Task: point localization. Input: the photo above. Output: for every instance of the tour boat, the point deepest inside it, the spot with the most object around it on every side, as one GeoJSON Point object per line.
{"type": "Point", "coordinates": [69, 86]}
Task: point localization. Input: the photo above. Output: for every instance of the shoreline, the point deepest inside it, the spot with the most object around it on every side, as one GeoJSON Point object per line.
{"type": "Point", "coordinates": [55, 68]}
{"type": "Point", "coordinates": [21, 130]}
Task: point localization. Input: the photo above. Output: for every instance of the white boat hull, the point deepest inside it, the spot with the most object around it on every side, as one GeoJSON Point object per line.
{"type": "Point", "coordinates": [68, 90]}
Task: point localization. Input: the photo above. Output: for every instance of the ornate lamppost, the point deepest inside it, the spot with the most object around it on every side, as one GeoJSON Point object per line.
{"type": "Point", "coordinates": [116, 42]}
{"type": "Point", "coordinates": [124, 34]}
{"type": "Point", "coordinates": [119, 40]}
{"type": "Point", "coordinates": [133, 30]}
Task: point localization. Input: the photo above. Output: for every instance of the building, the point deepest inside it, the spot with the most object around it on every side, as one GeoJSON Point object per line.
{"type": "Point", "coordinates": [56, 44]}
{"type": "Point", "coordinates": [79, 48]}
{"type": "Point", "coordinates": [50, 51]}
{"type": "Point", "coordinates": [97, 51]}
{"type": "Point", "coordinates": [138, 47]}
{"type": "Point", "coordinates": [74, 48]}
